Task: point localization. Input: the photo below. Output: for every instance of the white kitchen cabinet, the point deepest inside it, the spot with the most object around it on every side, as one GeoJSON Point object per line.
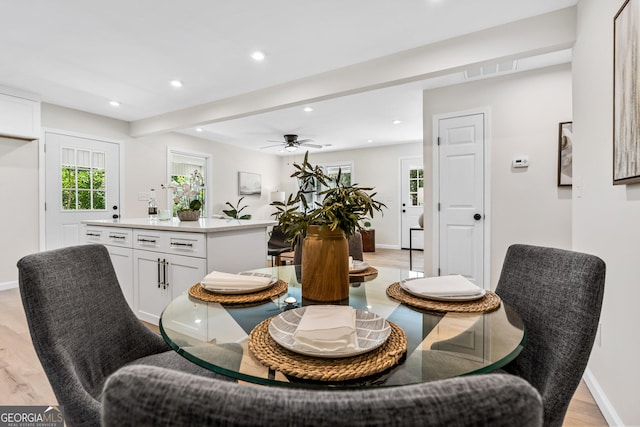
{"type": "Point", "coordinates": [160, 277]}
{"type": "Point", "coordinates": [157, 261]}
{"type": "Point", "coordinates": [19, 117]}
{"type": "Point", "coordinates": [122, 260]}
{"type": "Point", "coordinates": [119, 244]}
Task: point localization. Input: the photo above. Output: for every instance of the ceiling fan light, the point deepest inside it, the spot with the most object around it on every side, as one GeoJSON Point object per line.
{"type": "Point", "coordinates": [291, 148]}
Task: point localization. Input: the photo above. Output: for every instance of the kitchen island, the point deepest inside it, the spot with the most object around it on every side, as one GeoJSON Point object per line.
{"type": "Point", "coordinates": [156, 261]}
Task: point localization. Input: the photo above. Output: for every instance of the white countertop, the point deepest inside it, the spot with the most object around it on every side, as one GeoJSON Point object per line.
{"type": "Point", "coordinates": [203, 225]}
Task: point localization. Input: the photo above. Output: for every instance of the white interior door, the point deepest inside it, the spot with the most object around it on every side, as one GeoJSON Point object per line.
{"type": "Point", "coordinates": [82, 181]}
{"type": "Point", "coordinates": [461, 228]}
{"type": "Point", "coordinates": [412, 188]}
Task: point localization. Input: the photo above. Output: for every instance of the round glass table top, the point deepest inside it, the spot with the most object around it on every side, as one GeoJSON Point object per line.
{"type": "Point", "coordinates": [439, 345]}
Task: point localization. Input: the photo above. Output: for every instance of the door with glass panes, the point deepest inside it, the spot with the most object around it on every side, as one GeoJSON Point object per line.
{"type": "Point", "coordinates": [82, 182]}
{"type": "Point", "coordinates": [412, 201]}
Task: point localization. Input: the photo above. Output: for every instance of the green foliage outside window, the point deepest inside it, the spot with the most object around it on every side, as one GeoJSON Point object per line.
{"type": "Point", "coordinates": [83, 188]}
{"type": "Point", "coordinates": [416, 186]}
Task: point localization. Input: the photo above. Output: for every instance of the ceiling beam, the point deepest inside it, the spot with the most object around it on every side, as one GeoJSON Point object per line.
{"type": "Point", "coordinates": [533, 36]}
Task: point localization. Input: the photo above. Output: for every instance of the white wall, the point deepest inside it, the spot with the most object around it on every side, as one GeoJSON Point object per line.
{"type": "Point", "coordinates": [145, 161]}
{"type": "Point", "coordinates": [606, 217]}
{"type": "Point", "coordinates": [18, 206]}
{"type": "Point", "coordinates": [227, 162]}
{"type": "Point", "coordinates": [19, 216]}
{"type": "Point", "coordinates": [377, 167]}
{"type": "Point", "coordinates": [526, 206]}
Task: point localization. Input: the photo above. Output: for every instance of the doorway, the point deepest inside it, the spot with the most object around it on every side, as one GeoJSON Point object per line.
{"type": "Point", "coordinates": [460, 189]}
{"type": "Point", "coordinates": [82, 182]}
{"type": "Point", "coordinates": [412, 190]}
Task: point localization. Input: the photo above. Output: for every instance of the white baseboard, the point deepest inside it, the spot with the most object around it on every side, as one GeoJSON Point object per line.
{"type": "Point", "coordinates": [607, 409]}
{"type": "Point", "coordinates": [8, 285]}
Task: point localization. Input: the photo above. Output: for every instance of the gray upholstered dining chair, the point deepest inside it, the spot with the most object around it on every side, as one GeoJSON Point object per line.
{"type": "Point", "coordinates": [277, 245]}
{"type": "Point", "coordinates": [144, 395]}
{"type": "Point", "coordinates": [83, 329]}
{"type": "Point", "coordinates": [559, 294]}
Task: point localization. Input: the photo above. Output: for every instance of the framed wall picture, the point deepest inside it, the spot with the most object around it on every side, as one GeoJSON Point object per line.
{"type": "Point", "coordinates": [565, 154]}
{"type": "Point", "coordinates": [626, 94]}
{"type": "Point", "coordinates": [249, 183]}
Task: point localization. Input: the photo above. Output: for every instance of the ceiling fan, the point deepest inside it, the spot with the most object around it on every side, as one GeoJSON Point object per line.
{"type": "Point", "coordinates": [291, 143]}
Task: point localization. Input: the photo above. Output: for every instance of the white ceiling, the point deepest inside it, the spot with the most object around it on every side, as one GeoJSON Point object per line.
{"type": "Point", "coordinates": [82, 54]}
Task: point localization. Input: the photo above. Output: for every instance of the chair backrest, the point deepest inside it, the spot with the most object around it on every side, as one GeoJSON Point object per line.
{"type": "Point", "coordinates": [355, 246]}
{"type": "Point", "coordinates": [559, 294]}
{"type": "Point", "coordinates": [80, 324]}
{"type": "Point", "coordinates": [278, 239]}
{"type": "Point", "coordinates": [145, 395]}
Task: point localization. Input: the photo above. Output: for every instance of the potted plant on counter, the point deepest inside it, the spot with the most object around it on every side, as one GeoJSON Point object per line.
{"type": "Point", "coordinates": [325, 225]}
{"type": "Point", "coordinates": [235, 211]}
{"type": "Point", "coordinates": [186, 197]}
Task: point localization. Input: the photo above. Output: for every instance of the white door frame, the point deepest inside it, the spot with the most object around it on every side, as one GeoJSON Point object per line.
{"type": "Point", "coordinates": [41, 175]}
{"type": "Point", "coordinates": [486, 111]}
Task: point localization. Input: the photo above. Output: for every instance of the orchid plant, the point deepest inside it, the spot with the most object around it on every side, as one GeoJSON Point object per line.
{"type": "Point", "coordinates": [186, 195]}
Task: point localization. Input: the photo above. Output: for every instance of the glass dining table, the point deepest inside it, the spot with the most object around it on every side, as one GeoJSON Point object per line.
{"type": "Point", "coordinates": [439, 345]}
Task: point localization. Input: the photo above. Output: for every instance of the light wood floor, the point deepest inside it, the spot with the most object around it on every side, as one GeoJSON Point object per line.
{"type": "Point", "coordinates": [23, 382]}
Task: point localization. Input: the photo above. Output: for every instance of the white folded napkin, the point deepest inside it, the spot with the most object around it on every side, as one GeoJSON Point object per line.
{"type": "Point", "coordinates": [327, 328]}
{"type": "Point", "coordinates": [442, 286]}
{"type": "Point", "coordinates": [217, 280]}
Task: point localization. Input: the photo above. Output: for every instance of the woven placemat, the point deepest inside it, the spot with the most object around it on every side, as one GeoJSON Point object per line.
{"type": "Point", "coordinates": [276, 357]}
{"type": "Point", "coordinates": [202, 294]}
{"type": "Point", "coordinates": [370, 271]}
{"type": "Point", "coordinates": [489, 302]}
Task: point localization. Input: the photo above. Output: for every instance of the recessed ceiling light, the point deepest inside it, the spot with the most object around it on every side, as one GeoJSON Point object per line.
{"type": "Point", "coordinates": [369, 140]}
{"type": "Point", "coordinates": [198, 129]}
{"type": "Point", "coordinates": [257, 55]}
{"type": "Point", "coordinates": [308, 109]}
{"type": "Point", "coordinates": [176, 83]}
{"type": "Point", "coordinates": [396, 122]}
{"type": "Point", "coordinates": [114, 103]}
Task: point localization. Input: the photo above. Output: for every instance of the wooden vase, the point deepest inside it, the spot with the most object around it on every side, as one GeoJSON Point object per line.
{"type": "Point", "coordinates": [325, 265]}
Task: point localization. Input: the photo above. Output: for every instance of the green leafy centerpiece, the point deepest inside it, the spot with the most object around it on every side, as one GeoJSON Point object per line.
{"type": "Point", "coordinates": [325, 224]}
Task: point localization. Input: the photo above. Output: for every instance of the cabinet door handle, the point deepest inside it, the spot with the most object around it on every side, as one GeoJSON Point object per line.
{"type": "Point", "coordinates": [164, 267]}
{"type": "Point", "coordinates": [182, 244]}
{"type": "Point", "coordinates": [159, 282]}
{"type": "Point", "coordinates": [113, 236]}
{"type": "Point", "coordinates": [146, 241]}
{"type": "Point", "coordinates": [93, 234]}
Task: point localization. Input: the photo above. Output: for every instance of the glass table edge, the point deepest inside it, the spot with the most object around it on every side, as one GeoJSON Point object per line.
{"type": "Point", "coordinates": [504, 361]}
{"type": "Point", "coordinates": [323, 386]}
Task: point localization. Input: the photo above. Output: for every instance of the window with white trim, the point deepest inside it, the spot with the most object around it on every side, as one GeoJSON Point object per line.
{"type": "Point", "coordinates": [181, 167]}
{"type": "Point", "coordinates": [82, 175]}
